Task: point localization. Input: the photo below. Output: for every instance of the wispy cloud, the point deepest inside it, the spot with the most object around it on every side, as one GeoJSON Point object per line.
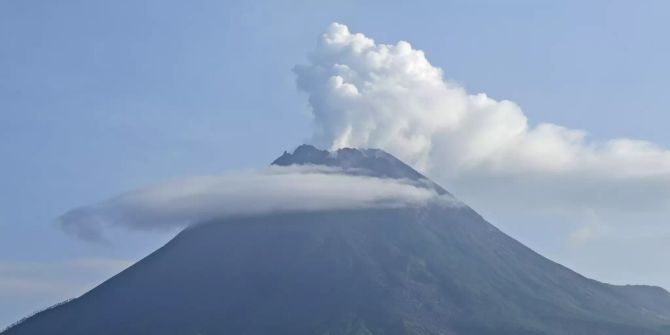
{"type": "Point", "coordinates": [185, 201]}
{"type": "Point", "coordinates": [60, 279]}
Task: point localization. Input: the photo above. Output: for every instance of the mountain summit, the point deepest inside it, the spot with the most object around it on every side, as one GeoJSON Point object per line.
{"type": "Point", "coordinates": [429, 269]}
{"type": "Point", "coordinates": [363, 162]}
{"type": "Point", "coordinates": [369, 162]}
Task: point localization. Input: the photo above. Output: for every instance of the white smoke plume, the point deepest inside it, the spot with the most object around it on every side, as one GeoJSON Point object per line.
{"type": "Point", "coordinates": [389, 96]}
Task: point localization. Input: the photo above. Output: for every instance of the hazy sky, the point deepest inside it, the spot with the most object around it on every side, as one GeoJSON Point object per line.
{"type": "Point", "coordinates": [101, 98]}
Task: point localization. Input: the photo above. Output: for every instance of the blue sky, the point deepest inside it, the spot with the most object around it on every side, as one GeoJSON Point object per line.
{"type": "Point", "coordinates": [97, 98]}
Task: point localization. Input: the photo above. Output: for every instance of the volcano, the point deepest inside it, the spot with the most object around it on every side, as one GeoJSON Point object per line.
{"type": "Point", "coordinates": [429, 269]}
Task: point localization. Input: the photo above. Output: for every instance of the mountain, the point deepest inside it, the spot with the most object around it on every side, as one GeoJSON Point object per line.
{"type": "Point", "coordinates": [417, 270]}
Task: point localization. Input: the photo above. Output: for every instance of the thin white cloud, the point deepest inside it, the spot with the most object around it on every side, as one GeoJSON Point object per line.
{"type": "Point", "coordinates": [190, 200]}
{"type": "Point", "coordinates": [55, 278]}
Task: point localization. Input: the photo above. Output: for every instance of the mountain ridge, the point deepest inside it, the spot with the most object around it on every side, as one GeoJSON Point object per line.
{"type": "Point", "coordinates": [415, 270]}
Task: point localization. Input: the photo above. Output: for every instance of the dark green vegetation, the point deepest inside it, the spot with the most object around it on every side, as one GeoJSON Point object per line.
{"type": "Point", "coordinates": [427, 270]}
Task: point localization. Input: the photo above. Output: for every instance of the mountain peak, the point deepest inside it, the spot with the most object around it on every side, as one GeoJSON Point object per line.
{"type": "Point", "coordinates": [362, 162]}
{"type": "Point", "coordinates": [429, 270]}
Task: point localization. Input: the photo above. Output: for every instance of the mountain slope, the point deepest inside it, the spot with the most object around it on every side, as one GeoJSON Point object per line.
{"type": "Point", "coordinates": [420, 270]}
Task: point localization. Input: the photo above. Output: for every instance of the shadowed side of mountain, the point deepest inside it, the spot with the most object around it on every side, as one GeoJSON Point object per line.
{"type": "Point", "coordinates": [433, 270]}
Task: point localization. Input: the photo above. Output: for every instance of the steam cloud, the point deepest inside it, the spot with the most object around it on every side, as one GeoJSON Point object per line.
{"type": "Point", "coordinates": [365, 94]}
{"type": "Point", "coordinates": [191, 200]}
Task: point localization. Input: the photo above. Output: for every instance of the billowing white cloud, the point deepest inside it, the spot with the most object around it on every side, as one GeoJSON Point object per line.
{"type": "Point", "coordinates": [531, 180]}
{"type": "Point", "coordinates": [190, 200]}
{"type": "Point", "coordinates": [366, 94]}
